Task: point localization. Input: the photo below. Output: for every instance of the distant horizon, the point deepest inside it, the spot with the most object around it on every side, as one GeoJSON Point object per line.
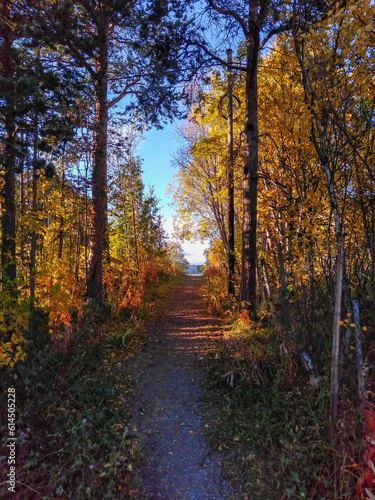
{"type": "Point", "coordinates": [157, 150]}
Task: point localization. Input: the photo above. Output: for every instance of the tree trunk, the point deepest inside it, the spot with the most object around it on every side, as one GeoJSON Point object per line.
{"type": "Point", "coordinates": [76, 271]}
{"type": "Point", "coordinates": [33, 234]}
{"type": "Point", "coordinates": [250, 181]}
{"type": "Point", "coordinates": [231, 256]}
{"type": "Point", "coordinates": [61, 230]}
{"type": "Point", "coordinates": [359, 352]}
{"type": "Point", "coordinates": [94, 283]}
{"type": "Point", "coordinates": [267, 282]}
{"type": "Point", "coordinates": [8, 216]}
{"type": "Point", "coordinates": [8, 219]}
{"type": "Point", "coordinates": [335, 363]}
{"type": "Point", "coordinates": [86, 219]}
{"type": "Point", "coordinates": [284, 292]}
{"type": "Point", "coordinates": [135, 236]}
{"type": "Point", "coordinates": [321, 144]}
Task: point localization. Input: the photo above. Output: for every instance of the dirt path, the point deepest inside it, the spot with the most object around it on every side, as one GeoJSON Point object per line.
{"type": "Point", "coordinates": [170, 410]}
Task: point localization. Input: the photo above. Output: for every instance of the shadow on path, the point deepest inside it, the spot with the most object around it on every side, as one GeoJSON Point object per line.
{"type": "Point", "coordinates": [169, 409]}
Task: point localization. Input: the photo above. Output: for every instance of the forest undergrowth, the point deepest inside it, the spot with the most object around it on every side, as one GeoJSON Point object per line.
{"type": "Point", "coordinates": [273, 419]}
{"type": "Point", "coordinates": [73, 439]}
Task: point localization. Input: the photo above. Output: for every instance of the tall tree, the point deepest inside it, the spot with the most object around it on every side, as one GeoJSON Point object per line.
{"type": "Point", "coordinates": [9, 67]}
{"type": "Point", "coordinates": [128, 49]}
{"type": "Point", "coordinates": [252, 24]}
{"type": "Point", "coordinates": [331, 94]}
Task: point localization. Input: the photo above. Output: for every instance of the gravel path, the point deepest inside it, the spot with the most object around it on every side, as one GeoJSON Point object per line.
{"type": "Point", "coordinates": [170, 413]}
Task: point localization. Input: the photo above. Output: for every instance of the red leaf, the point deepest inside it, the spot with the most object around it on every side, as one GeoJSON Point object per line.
{"type": "Point", "coordinates": [359, 485]}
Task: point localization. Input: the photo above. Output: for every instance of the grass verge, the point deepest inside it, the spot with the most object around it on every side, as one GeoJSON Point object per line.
{"type": "Point", "coordinates": [71, 421]}
{"type": "Point", "coordinates": [273, 426]}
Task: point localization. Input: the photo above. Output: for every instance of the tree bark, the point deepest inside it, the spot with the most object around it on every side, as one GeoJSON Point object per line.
{"type": "Point", "coordinates": [8, 219]}
{"type": "Point", "coordinates": [250, 180]}
{"type": "Point", "coordinates": [94, 283]}
{"type": "Point", "coordinates": [33, 234]}
{"type": "Point", "coordinates": [135, 235]}
{"type": "Point", "coordinates": [359, 353]}
{"type": "Point", "coordinates": [8, 216]}
{"type": "Point", "coordinates": [267, 282]}
{"type": "Point", "coordinates": [335, 363]}
{"type": "Point", "coordinates": [284, 291]}
{"type": "Point", "coordinates": [231, 256]}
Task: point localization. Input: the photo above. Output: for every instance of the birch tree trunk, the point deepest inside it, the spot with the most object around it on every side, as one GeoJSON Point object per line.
{"type": "Point", "coordinates": [359, 353]}
{"type": "Point", "coordinates": [335, 362]}
{"type": "Point", "coordinates": [284, 291]}
{"type": "Point", "coordinates": [319, 134]}
{"type": "Point", "coordinates": [267, 282]}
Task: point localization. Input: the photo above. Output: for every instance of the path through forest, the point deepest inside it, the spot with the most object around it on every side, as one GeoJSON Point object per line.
{"type": "Point", "coordinates": [170, 410]}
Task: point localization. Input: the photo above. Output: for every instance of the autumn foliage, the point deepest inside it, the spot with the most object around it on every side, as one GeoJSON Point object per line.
{"type": "Point", "coordinates": [312, 328]}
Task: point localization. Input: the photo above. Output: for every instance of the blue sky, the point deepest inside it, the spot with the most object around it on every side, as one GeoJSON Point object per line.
{"type": "Point", "coordinates": [157, 150]}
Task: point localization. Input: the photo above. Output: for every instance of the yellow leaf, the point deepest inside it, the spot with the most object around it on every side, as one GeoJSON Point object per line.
{"type": "Point", "coordinates": [191, 432]}
{"type": "Point", "coordinates": [341, 323]}
{"type": "Point", "coordinates": [130, 467]}
{"type": "Point", "coordinates": [103, 474]}
{"type": "Point", "coordinates": [364, 328]}
{"type": "Point", "coordinates": [352, 325]}
{"type": "Point", "coordinates": [108, 465]}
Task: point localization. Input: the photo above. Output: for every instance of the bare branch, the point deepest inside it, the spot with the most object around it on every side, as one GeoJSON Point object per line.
{"type": "Point", "coordinates": [123, 93]}
{"type": "Point", "coordinates": [230, 12]}
{"type": "Point", "coordinates": [223, 62]}
{"type": "Point", "coordinates": [276, 31]}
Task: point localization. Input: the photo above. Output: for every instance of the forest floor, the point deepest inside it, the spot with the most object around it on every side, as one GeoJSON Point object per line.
{"type": "Point", "coordinates": [173, 403]}
{"type": "Point", "coordinates": [170, 408]}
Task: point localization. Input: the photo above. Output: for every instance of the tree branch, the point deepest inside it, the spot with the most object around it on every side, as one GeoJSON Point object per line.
{"type": "Point", "coordinates": [79, 58]}
{"type": "Point", "coordinates": [223, 62]}
{"type": "Point", "coordinates": [276, 31]}
{"type": "Point", "coordinates": [123, 93]}
{"type": "Point", "coordinates": [230, 12]}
